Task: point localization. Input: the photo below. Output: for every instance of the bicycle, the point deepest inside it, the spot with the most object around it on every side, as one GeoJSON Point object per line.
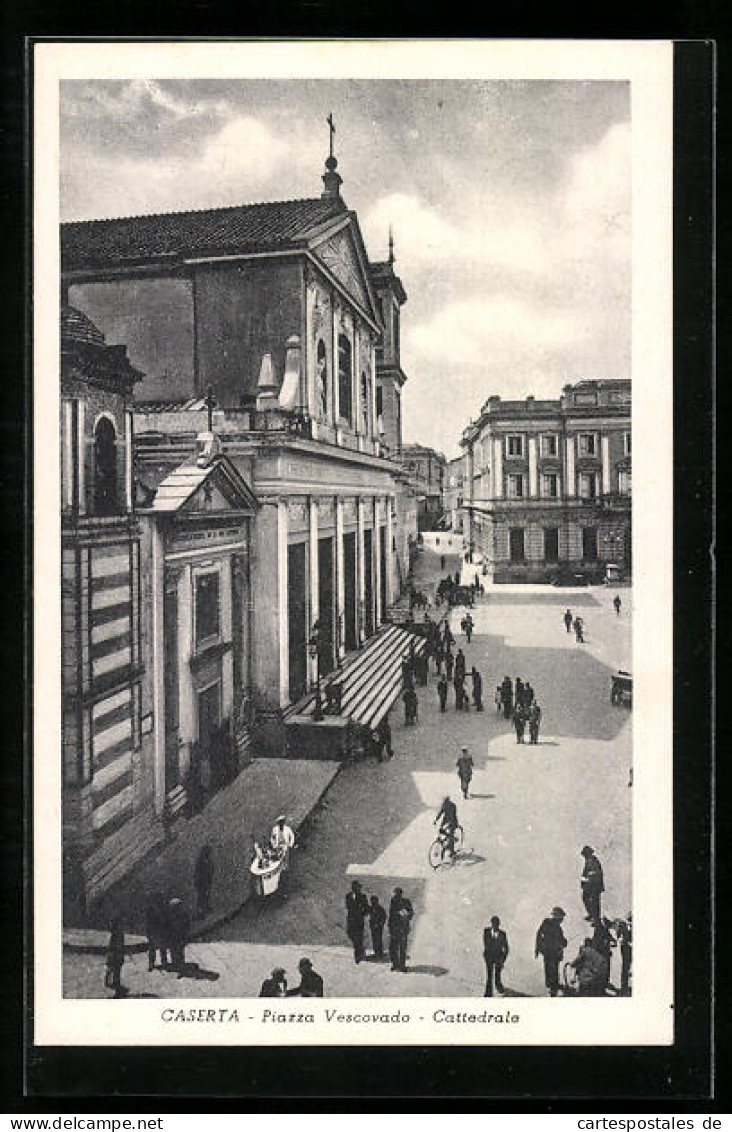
{"type": "Point", "coordinates": [441, 848]}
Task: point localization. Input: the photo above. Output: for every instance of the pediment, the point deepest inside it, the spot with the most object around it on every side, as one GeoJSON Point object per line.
{"type": "Point", "coordinates": [338, 253]}
{"type": "Point", "coordinates": [216, 488]}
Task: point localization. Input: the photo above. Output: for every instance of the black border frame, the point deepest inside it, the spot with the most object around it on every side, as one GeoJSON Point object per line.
{"type": "Point", "coordinates": [538, 1078]}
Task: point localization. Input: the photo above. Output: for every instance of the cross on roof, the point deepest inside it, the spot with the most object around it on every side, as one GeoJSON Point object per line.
{"type": "Point", "coordinates": [210, 403]}
{"type": "Point", "coordinates": [332, 128]}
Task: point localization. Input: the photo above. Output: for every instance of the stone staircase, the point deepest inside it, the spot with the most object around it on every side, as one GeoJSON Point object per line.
{"type": "Point", "coordinates": [372, 678]}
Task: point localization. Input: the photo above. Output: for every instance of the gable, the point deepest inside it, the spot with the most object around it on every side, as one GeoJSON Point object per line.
{"type": "Point", "coordinates": [339, 255]}
{"type": "Point", "coordinates": [216, 488]}
{"type": "Point", "coordinates": [209, 499]}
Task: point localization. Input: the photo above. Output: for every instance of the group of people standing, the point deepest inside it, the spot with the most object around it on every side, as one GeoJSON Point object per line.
{"type": "Point", "coordinates": [311, 983]}
{"type": "Point", "coordinates": [360, 908]}
{"type": "Point", "coordinates": [168, 928]}
{"type": "Point", "coordinates": [518, 703]}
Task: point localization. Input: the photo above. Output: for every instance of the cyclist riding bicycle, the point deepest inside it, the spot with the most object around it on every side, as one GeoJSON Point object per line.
{"type": "Point", "coordinates": [447, 816]}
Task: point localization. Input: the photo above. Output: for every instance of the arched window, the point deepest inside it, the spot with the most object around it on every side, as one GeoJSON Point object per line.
{"type": "Point", "coordinates": [345, 378]}
{"type": "Point", "coordinates": [321, 380]}
{"type": "Point", "coordinates": [365, 403]}
{"type": "Point", "coordinates": [105, 468]}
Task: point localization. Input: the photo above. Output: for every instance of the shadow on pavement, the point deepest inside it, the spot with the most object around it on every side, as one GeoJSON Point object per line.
{"type": "Point", "coordinates": [426, 969]}
{"type": "Point", "coordinates": [196, 971]}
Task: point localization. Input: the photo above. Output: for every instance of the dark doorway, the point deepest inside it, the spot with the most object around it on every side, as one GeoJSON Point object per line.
{"type": "Point", "coordinates": [368, 582]}
{"type": "Point", "coordinates": [349, 578]}
{"type": "Point", "coordinates": [209, 716]}
{"type": "Point", "coordinates": [105, 468]}
{"type": "Point", "coordinates": [516, 543]}
{"type": "Point", "coordinates": [551, 544]}
{"type": "Point", "coordinates": [589, 544]}
{"type": "Point", "coordinates": [172, 705]}
{"type": "Point", "coordinates": [382, 559]}
{"type": "Point", "coordinates": [326, 604]}
{"type": "Point", "coordinates": [297, 621]}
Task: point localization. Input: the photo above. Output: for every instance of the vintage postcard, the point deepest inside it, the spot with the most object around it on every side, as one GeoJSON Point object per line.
{"type": "Point", "coordinates": [352, 683]}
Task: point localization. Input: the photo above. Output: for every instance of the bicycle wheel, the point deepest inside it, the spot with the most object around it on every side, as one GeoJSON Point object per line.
{"type": "Point", "coordinates": [458, 839]}
{"type": "Point", "coordinates": [436, 853]}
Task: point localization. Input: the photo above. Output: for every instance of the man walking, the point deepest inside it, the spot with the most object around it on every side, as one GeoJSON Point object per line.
{"type": "Point", "coordinates": [477, 689]}
{"type": "Point", "coordinates": [465, 771]}
{"type": "Point", "coordinates": [384, 734]}
{"type": "Point", "coordinates": [534, 723]}
{"type": "Point", "coordinates": [568, 619]}
{"type": "Point", "coordinates": [579, 630]}
{"type": "Point", "coordinates": [357, 909]}
{"type": "Point", "coordinates": [495, 952]}
{"type": "Point", "coordinates": [377, 919]}
{"type": "Point", "coordinates": [592, 883]}
{"type": "Point", "coordinates": [617, 603]}
{"type": "Point", "coordinates": [507, 687]}
{"type": "Point", "coordinates": [519, 722]}
{"type": "Point", "coordinates": [442, 692]}
{"type": "Point", "coordinates": [550, 944]}
{"type": "Point", "coordinates": [449, 662]}
{"type": "Point", "coordinates": [459, 686]}
{"type": "Point", "coordinates": [400, 919]}
{"type": "Point", "coordinates": [460, 664]}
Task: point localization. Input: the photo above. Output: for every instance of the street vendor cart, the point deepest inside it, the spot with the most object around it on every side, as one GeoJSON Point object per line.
{"type": "Point", "coordinates": [267, 872]}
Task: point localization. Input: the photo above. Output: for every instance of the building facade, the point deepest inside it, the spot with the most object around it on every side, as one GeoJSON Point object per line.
{"type": "Point", "coordinates": [268, 524]}
{"type": "Point", "coordinates": [426, 469]}
{"type": "Point", "coordinates": [548, 484]}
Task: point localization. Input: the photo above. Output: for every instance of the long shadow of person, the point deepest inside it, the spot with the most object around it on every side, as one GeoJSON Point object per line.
{"type": "Point", "coordinates": [196, 971]}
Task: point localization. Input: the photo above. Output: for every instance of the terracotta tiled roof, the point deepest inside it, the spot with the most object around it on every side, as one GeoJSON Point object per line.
{"type": "Point", "coordinates": [172, 235]}
{"type": "Point", "coordinates": [78, 327]}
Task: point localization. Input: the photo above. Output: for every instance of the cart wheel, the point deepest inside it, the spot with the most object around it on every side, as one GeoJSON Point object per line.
{"type": "Point", "coordinates": [436, 853]}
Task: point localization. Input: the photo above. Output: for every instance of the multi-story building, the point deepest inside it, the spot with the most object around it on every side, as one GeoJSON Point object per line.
{"type": "Point", "coordinates": [548, 483]}
{"type": "Point", "coordinates": [453, 493]}
{"type": "Point", "coordinates": [426, 469]}
{"type": "Point", "coordinates": [264, 526]}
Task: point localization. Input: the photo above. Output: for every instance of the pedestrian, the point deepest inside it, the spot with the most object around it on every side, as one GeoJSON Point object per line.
{"type": "Point", "coordinates": [534, 723]}
{"type": "Point", "coordinates": [275, 986]}
{"type": "Point", "coordinates": [442, 692]}
{"type": "Point", "coordinates": [179, 927]}
{"type": "Point", "coordinates": [465, 771]}
{"type": "Point", "coordinates": [579, 631]}
{"type": "Point", "coordinates": [550, 944]}
{"type": "Point", "coordinates": [592, 883]}
{"type": "Point", "coordinates": [604, 942]}
{"type": "Point", "coordinates": [519, 722]}
{"type": "Point", "coordinates": [357, 909]}
{"type": "Point", "coordinates": [459, 686]}
{"type": "Point", "coordinates": [460, 663]}
{"type": "Point", "coordinates": [477, 689]}
{"type": "Point", "coordinates": [468, 627]}
{"type": "Point", "coordinates": [617, 603]}
{"type": "Point", "coordinates": [377, 919]}
{"type": "Point", "coordinates": [529, 695]}
{"type": "Point", "coordinates": [519, 695]}
{"type": "Point", "coordinates": [156, 930]}
{"type": "Point", "coordinates": [568, 620]}
{"type": "Point", "coordinates": [449, 663]}
{"type": "Point", "coordinates": [507, 697]}
{"type": "Point", "coordinates": [407, 674]}
{"type": "Point", "coordinates": [400, 919]}
{"type": "Point", "coordinates": [495, 953]}
{"type": "Point", "coordinates": [624, 933]}
{"type": "Point", "coordinates": [384, 733]}
{"type": "Point", "coordinates": [439, 657]}
{"type": "Point", "coordinates": [592, 971]}
{"type": "Point", "coordinates": [498, 699]}
{"type": "Point", "coordinates": [423, 669]}
{"type": "Point", "coordinates": [203, 875]}
{"type": "Point", "coordinates": [311, 984]}
{"type": "Point", "coordinates": [115, 958]}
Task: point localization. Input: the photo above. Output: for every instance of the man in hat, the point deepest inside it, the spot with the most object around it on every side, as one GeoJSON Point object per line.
{"type": "Point", "coordinates": [276, 985]}
{"type": "Point", "coordinates": [495, 952]}
{"type": "Point", "coordinates": [550, 944]}
{"type": "Point", "coordinates": [465, 771]}
{"type": "Point", "coordinates": [282, 837]}
{"type": "Point", "coordinates": [592, 883]}
{"type": "Point", "coordinates": [477, 689]}
{"type": "Point", "coordinates": [311, 983]}
{"type": "Point", "coordinates": [357, 909]}
{"type": "Point", "coordinates": [400, 919]}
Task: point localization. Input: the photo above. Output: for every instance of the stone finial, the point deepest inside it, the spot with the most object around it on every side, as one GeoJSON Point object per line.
{"type": "Point", "coordinates": [267, 389]}
{"type": "Point", "coordinates": [290, 392]}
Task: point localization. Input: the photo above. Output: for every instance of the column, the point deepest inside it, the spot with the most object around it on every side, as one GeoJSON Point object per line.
{"type": "Point", "coordinates": [360, 570]}
{"type": "Point", "coordinates": [314, 582]}
{"type": "Point", "coordinates": [188, 705]}
{"type": "Point", "coordinates": [497, 467]}
{"type": "Point", "coordinates": [129, 497]}
{"type": "Point", "coordinates": [605, 449]}
{"type": "Point", "coordinates": [283, 633]}
{"type": "Point", "coordinates": [570, 485]}
{"type": "Point", "coordinates": [533, 469]}
{"type": "Point", "coordinates": [81, 455]}
{"type": "Point", "coordinates": [158, 665]}
{"type": "Point", "coordinates": [227, 634]}
{"type": "Point", "coordinates": [340, 579]}
{"type": "Point", "coordinates": [377, 561]}
{"type": "Point", "coordinates": [389, 552]}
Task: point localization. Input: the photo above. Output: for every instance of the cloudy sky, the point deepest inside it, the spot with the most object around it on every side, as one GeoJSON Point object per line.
{"type": "Point", "coordinates": [510, 203]}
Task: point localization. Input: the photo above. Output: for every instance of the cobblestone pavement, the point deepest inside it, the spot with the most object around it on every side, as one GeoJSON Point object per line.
{"type": "Point", "coordinates": [531, 810]}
